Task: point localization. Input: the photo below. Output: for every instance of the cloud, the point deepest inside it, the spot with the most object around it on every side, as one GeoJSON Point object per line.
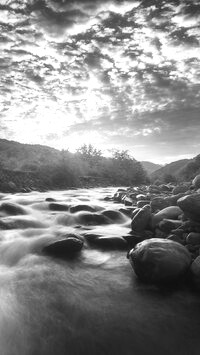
{"type": "Point", "coordinates": [128, 70]}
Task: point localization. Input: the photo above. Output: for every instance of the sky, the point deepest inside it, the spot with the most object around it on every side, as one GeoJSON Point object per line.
{"type": "Point", "coordinates": [114, 74]}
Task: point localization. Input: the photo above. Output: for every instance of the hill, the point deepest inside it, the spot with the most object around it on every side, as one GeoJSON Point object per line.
{"type": "Point", "coordinates": [26, 166]}
{"type": "Point", "coordinates": [150, 167]}
{"type": "Point", "coordinates": [180, 170]}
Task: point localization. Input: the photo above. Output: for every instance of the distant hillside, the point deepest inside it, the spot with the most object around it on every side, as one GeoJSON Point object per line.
{"type": "Point", "coordinates": [18, 156]}
{"type": "Point", "coordinates": [37, 167]}
{"type": "Point", "coordinates": [180, 170]}
{"type": "Point", "coordinates": [150, 167]}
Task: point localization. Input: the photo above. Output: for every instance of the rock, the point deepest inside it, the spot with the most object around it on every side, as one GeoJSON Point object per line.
{"type": "Point", "coordinates": [141, 197]}
{"type": "Point", "coordinates": [12, 209]}
{"type": "Point", "coordinates": [167, 225]}
{"type": "Point", "coordinates": [64, 247]}
{"type": "Point", "coordinates": [171, 212]}
{"type": "Point", "coordinates": [141, 219]}
{"type": "Point", "coordinates": [78, 208]}
{"type": "Point", "coordinates": [158, 203]}
{"type": "Point", "coordinates": [190, 205]}
{"type": "Point", "coordinates": [108, 242]}
{"type": "Point", "coordinates": [172, 200]}
{"type": "Point", "coordinates": [127, 201]}
{"type": "Point", "coordinates": [142, 203]}
{"type": "Point", "coordinates": [58, 207]}
{"type": "Point", "coordinates": [88, 218]}
{"type": "Point", "coordinates": [196, 182]}
{"type": "Point", "coordinates": [193, 238]}
{"type": "Point", "coordinates": [50, 199]}
{"type": "Point", "coordinates": [115, 216]}
{"type": "Point", "coordinates": [176, 238]}
{"type": "Point", "coordinates": [159, 260]}
{"type": "Point", "coordinates": [180, 189]}
{"type": "Point", "coordinates": [119, 195]}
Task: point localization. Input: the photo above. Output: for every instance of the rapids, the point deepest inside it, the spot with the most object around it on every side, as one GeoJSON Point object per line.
{"type": "Point", "coordinates": [92, 303]}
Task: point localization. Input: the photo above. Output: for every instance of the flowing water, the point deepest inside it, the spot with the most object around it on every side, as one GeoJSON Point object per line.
{"type": "Point", "coordinates": [91, 304]}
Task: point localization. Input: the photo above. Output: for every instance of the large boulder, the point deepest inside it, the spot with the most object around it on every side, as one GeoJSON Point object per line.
{"type": "Point", "coordinates": [160, 260]}
{"type": "Point", "coordinates": [171, 212]}
{"type": "Point", "coordinates": [190, 205]}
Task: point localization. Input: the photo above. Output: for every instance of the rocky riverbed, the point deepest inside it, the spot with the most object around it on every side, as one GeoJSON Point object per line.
{"type": "Point", "coordinates": [67, 284]}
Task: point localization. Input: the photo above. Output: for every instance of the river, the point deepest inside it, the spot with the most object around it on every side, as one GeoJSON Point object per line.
{"type": "Point", "coordinates": [92, 303]}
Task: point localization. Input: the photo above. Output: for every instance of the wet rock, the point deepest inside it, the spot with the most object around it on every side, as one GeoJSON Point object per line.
{"type": "Point", "coordinates": [176, 238]}
{"type": "Point", "coordinates": [66, 246]}
{"type": "Point", "coordinates": [12, 209]}
{"type": "Point", "coordinates": [50, 199]}
{"type": "Point", "coordinates": [127, 201]}
{"type": "Point", "coordinates": [88, 218]}
{"type": "Point", "coordinates": [190, 205]}
{"type": "Point", "coordinates": [158, 203]}
{"type": "Point", "coordinates": [172, 200]}
{"type": "Point", "coordinates": [119, 195]}
{"type": "Point", "coordinates": [108, 242]}
{"type": "Point", "coordinates": [115, 216]}
{"type": "Point", "coordinates": [141, 220]}
{"type": "Point", "coordinates": [160, 260]}
{"type": "Point", "coordinates": [142, 203]}
{"type": "Point", "coordinates": [171, 212]}
{"type": "Point", "coordinates": [167, 225]}
{"type": "Point", "coordinates": [193, 238]}
{"type": "Point", "coordinates": [196, 182]}
{"type": "Point", "coordinates": [127, 211]}
{"type": "Point", "coordinates": [58, 207]}
{"type": "Point", "coordinates": [78, 208]}
{"type": "Point", "coordinates": [141, 197]}
{"type": "Point", "coordinates": [12, 186]}
{"type": "Point", "coordinates": [180, 189]}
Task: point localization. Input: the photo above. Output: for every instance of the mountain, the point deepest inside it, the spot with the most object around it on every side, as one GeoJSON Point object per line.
{"type": "Point", "coordinates": [180, 170]}
{"type": "Point", "coordinates": [150, 167]}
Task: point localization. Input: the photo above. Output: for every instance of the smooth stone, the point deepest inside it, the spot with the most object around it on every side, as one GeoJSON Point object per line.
{"type": "Point", "coordinates": [127, 201]}
{"type": "Point", "coordinates": [172, 200]}
{"type": "Point", "coordinates": [179, 189]}
{"type": "Point", "coordinates": [141, 219]}
{"type": "Point", "coordinates": [159, 260]}
{"type": "Point", "coordinates": [193, 238]}
{"type": "Point", "coordinates": [142, 203]}
{"type": "Point", "coordinates": [190, 205]}
{"type": "Point", "coordinates": [176, 238]}
{"type": "Point", "coordinates": [64, 246]}
{"type": "Point", "coordinates": [89, 218]}
{"type": "Point", "coordinates": [141, 197]}
{"type": "Point", "coordinates": [58, 207]}
{"type": "Point", "coordinates": [50, 199]}
{"type": "Point", "coordinates": [196, 181]}
{"type": "Point", "coordinates": [114, 215]}
{"type": "Point", "coordinates": [171, 212]}
{"type": "Point", "coordinates": [12, 209]}
{"type": "Point", "coordinates": [78, 208]}
{"type": "Point", "coordinates": [158, 203]}
{"type": "Point", "coordinates": [109, 242]}
{"type": "Point", "coordinates": [167, 225]}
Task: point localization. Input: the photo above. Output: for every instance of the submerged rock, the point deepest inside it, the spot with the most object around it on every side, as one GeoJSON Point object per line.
{"type": "Point", "coordinates": [12, 209]}
{"type": "Point", "coordinates": [160, 260]}
{"type": "Point", "coordinates": [65, 246]}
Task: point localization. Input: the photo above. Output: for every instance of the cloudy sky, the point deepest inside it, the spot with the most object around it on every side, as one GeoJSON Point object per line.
{"type": "Point", "coordinates": [116, 74]}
